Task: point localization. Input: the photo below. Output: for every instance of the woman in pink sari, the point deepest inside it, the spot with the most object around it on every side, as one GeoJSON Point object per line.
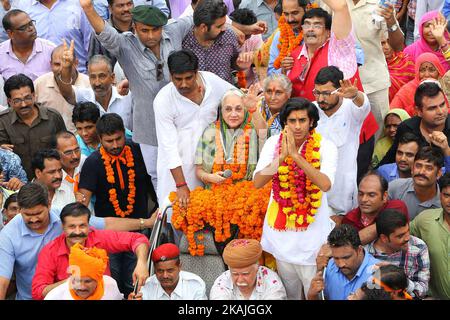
{"type": "Point", "coordinates": [427, 67]}
{"type": "Point", "coordinates": [434, 39]}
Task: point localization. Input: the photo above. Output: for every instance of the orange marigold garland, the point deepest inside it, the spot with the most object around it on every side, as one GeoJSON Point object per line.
{"type": "Point", "coordinates": [225, 204]}
{"type": "Point", "coordinates": [126, 157]}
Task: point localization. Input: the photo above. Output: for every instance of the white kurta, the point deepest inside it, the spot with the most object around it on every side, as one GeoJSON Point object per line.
{"type": "Point", "coordinates": [299, 247]}
{"type": "Point", "coordinates": [343, 128]}
{"type": "Point", "coordinates": [62, 292]}
{"type": "Point", "coordinates": [179, 126]}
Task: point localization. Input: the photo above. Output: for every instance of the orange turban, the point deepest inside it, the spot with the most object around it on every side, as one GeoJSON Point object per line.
{"type": "Point", "coordinates": [88, 262]}
{"type": "Point", "coordinates": [242, 253]}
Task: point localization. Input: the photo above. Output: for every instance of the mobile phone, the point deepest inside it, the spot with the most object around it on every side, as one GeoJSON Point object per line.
{"type": "Point", "coordinates": [136, 285]}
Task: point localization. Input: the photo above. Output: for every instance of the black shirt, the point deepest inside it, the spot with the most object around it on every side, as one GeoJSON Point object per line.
{"type": "Point", "coordinates": [93, 178]}
{"type": "Point", "coordinates": [411, 125]}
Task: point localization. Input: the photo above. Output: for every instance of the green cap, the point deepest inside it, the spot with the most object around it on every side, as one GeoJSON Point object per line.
{"type": "Point", "coordinates": [149, 15]}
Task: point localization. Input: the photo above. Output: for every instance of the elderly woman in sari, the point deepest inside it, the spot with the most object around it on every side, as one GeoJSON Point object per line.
{"type": "Point", "coordinates": [230, 143]}
{"type": "Point", "coordinates": [427, 67]}
{"type": "Point", "coordinates": [391, 122]}
{"type": "Point", "coordinates": [400, 66]}
{"type": "Point", "coordinates": [433, 39]}
{"type": "Point", "coordinates": [277, 90]}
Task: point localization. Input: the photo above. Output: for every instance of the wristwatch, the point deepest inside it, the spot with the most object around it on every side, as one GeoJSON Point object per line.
{"type": "Point", "coordinates": [141, 224]}
{"type": "Point", "coordinates": [393, 28]}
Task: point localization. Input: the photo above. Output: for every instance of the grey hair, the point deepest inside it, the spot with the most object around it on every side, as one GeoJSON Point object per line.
{"type": "Point", "coordinates": [101, 58]}
{"type": "Point", "coordinates": [231, 92]}
{"type": "Point", "coordinates": [282, 79]}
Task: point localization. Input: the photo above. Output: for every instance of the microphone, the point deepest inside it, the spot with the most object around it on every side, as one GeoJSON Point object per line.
{"type": "Point", "coordinates": [227, 173]}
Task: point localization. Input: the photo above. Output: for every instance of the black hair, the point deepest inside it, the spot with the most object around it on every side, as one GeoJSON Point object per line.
{"type": "Point", "coordinates": [426, 89]}
{"type": "Point", "coordinates": [278, 9]}
{"type": "Point", "coordinates": [16, 82]}
{"type": "Point", "coordinates": [374, 293]}
{"type": "Point", "coordinates": [329, 74]}
{"type": "Point", "coordinates": [344, 235]}
{"type": "Point", "coordinates": [294, 104]}
{"type": "Point", "coordinates": [390, 220]}
{"type": "Point", "coordinates": [408, 137]}
{"type": "Point", "coordinates": [444, 181]}
{"type": "Point", "coordinates": [85, 111]}
{"type": "Point", "coordinates": [32, 194]}
{"type": "Point", "coordinates": [182, 61]}
{"type": "Point", "coordinates": [244, 16]}
{"type": "Point", "coordinates": [6, 21]}
{"type": "Point", "coordinates": [393, 276]}
{"type": "Point", "coordinates": [109, 123]}
{"type": "Point", "coordinates": [208, 11]}
{"type": "Point", "coordinates": [12, 198]}
{"type": "Point", "coordinates": [383, 182]}
{"type": "Point", "coordinates": [318, 13]}
{"type": "Point", "coordinates": [431, 154]}
{"type": "Point", "coordinates": [74, 209]}
{"type": "Point", "coordinates": [37, 161]}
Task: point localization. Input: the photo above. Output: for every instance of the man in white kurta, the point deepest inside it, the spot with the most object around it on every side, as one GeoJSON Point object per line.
{"type": "Point", "coordinates": [180, 123]}
{"type": "Point", "coordinates": [340, 121]}
{"type": "Point", "coordinates": [295, 251]}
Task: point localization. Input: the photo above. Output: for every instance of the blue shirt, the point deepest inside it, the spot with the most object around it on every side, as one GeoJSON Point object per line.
{"type": "Point", "coordinates": [65, 20]}
{"type": "Point", "coordinates": [389, 171]}
{"type": "Point", "coordinates": [337, 285]}
{"type": "Point", "coordinates": [446, 8]}
{"type": "Point", "coordinates": [12, 166]}
{"type": "Point", "coordinates": [20, 247]}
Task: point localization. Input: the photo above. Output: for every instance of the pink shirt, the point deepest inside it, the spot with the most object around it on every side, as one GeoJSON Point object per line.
{"type": "Point", "coordinates": [37, 64]}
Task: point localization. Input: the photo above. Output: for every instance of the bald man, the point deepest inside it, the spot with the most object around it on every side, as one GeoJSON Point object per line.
{"type": "Point", "coordinates": [48, 93]}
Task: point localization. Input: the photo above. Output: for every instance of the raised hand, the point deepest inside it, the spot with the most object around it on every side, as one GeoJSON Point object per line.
{"type": "Point", "coordinates": [68, 54]}
{"type": "Point", "coordinates": [388, 13]}
{"type": "Point", "coordinates": [439, 139]}
{"type": "Point", "coordinates": [292, 149]}
{"type": "Point", "coordinates": [347, 89]}
{"type": "Point", "coordinates": [438, 28]}
{"type": "Point", "coordinates": [86, 3]}
{"type": "Point", "coordinates": [251, 98]}
{"type": "Point", "coordinates": [244, 60]}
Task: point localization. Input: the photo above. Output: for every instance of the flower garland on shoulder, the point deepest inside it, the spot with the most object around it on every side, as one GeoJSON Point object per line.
{"type": "Point", "coordinates": [240, 154]}
{"type": "Point", "coordinates": [296, 198]}
{"type": "Point", "coordinates": [126, 157]}
{"type": "Point", "coordinates": [288, 41]}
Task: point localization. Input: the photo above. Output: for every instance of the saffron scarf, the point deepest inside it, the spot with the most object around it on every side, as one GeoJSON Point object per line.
{"type": "Point", "coordinates": [401, 71]}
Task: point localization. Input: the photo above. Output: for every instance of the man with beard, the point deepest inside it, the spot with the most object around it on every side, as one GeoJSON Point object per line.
{"type": "Point", "coordinates": [102, 92]}
{"type": "Point", "coordinates": [420, 192]}
{"type": "Point", "coordinates": [215, 46]}
{"type": "Point", "coordinates": [396, 246]}
{"type": "Point", "coordinates": [27, 127]}
{"type": "Point", "coordinates": [169, 282]}
{"type": "Point", "coordinates": [293, 11]}
{"type": "Point", "coordinates": [71, 160]}
{"type": "Point", "coordinates": [433, 227]}
{"type": "Point", "coordinates": [351, 266]}
{"type": "Point", "coordinates": [431, 125]}
{"type": "Point", "coordinates": [53, 260]}
{"type": "Point", "coordinates": [117, 177]}
{"type": "Point", "coordinates": [23, 52]}
{"type": "Point", "coordinates": [342, 110]}
{"type": "Point", "coordinates": [408, 146]}
{"type": "Point", "coordinates": [183, 110]}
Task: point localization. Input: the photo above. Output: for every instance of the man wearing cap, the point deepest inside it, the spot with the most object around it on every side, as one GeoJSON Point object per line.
{"type": "Point", "coordinates": [169, 282]}
{"type": "Point", "coordinates": [246, 279]}
{"type": "Point", "coordinates": [87, 282]}
{"type": "Point", "coordinates": [143, 58]}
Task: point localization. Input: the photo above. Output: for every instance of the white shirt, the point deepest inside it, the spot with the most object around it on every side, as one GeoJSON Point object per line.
{"type": "Point", "coordinates": [179, 126]}
{"type": "Point", "coordinates": [122, 105]}
{"type": "Point", "coordinates": [62, 292]}
{"type": "Point", "coordinates": [268, 287]}
{"type": "Point", "coordinates": [299, 248]}
{"type": "Point", "coordinates": [190, 287]}
{"type": "Point", "coordinates": [343, 128]}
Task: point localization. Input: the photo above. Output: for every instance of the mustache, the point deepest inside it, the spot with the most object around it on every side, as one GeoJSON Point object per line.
{"type": "Point", "coordinates": [57, 180]}
{"type": "Point", "coordinates": [421, 176]}
{"type": "Point", "coordinates": [75, 160]}
{"type": "Point", "coordinates": [80, 235]}
{"type": "Point", "coordinates": [310, 34]}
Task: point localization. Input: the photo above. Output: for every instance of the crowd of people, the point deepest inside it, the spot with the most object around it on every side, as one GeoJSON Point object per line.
{"type": "Point", "coordinates": [115, 110]}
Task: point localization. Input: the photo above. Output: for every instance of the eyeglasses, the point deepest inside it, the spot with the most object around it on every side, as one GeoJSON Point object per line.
{"type": "Point", "coordinates": [312, 26]}
{"type": "Point", "coordinates": [325, 94]}
{"type": "Point", "coordinates": [75, 151]}
{"type": "Point", "coordinates": [18, 101]}
{"type": "Point", "coordinates": [26, 26]}
{"type": "Point", "coordinates": [159, 72]}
